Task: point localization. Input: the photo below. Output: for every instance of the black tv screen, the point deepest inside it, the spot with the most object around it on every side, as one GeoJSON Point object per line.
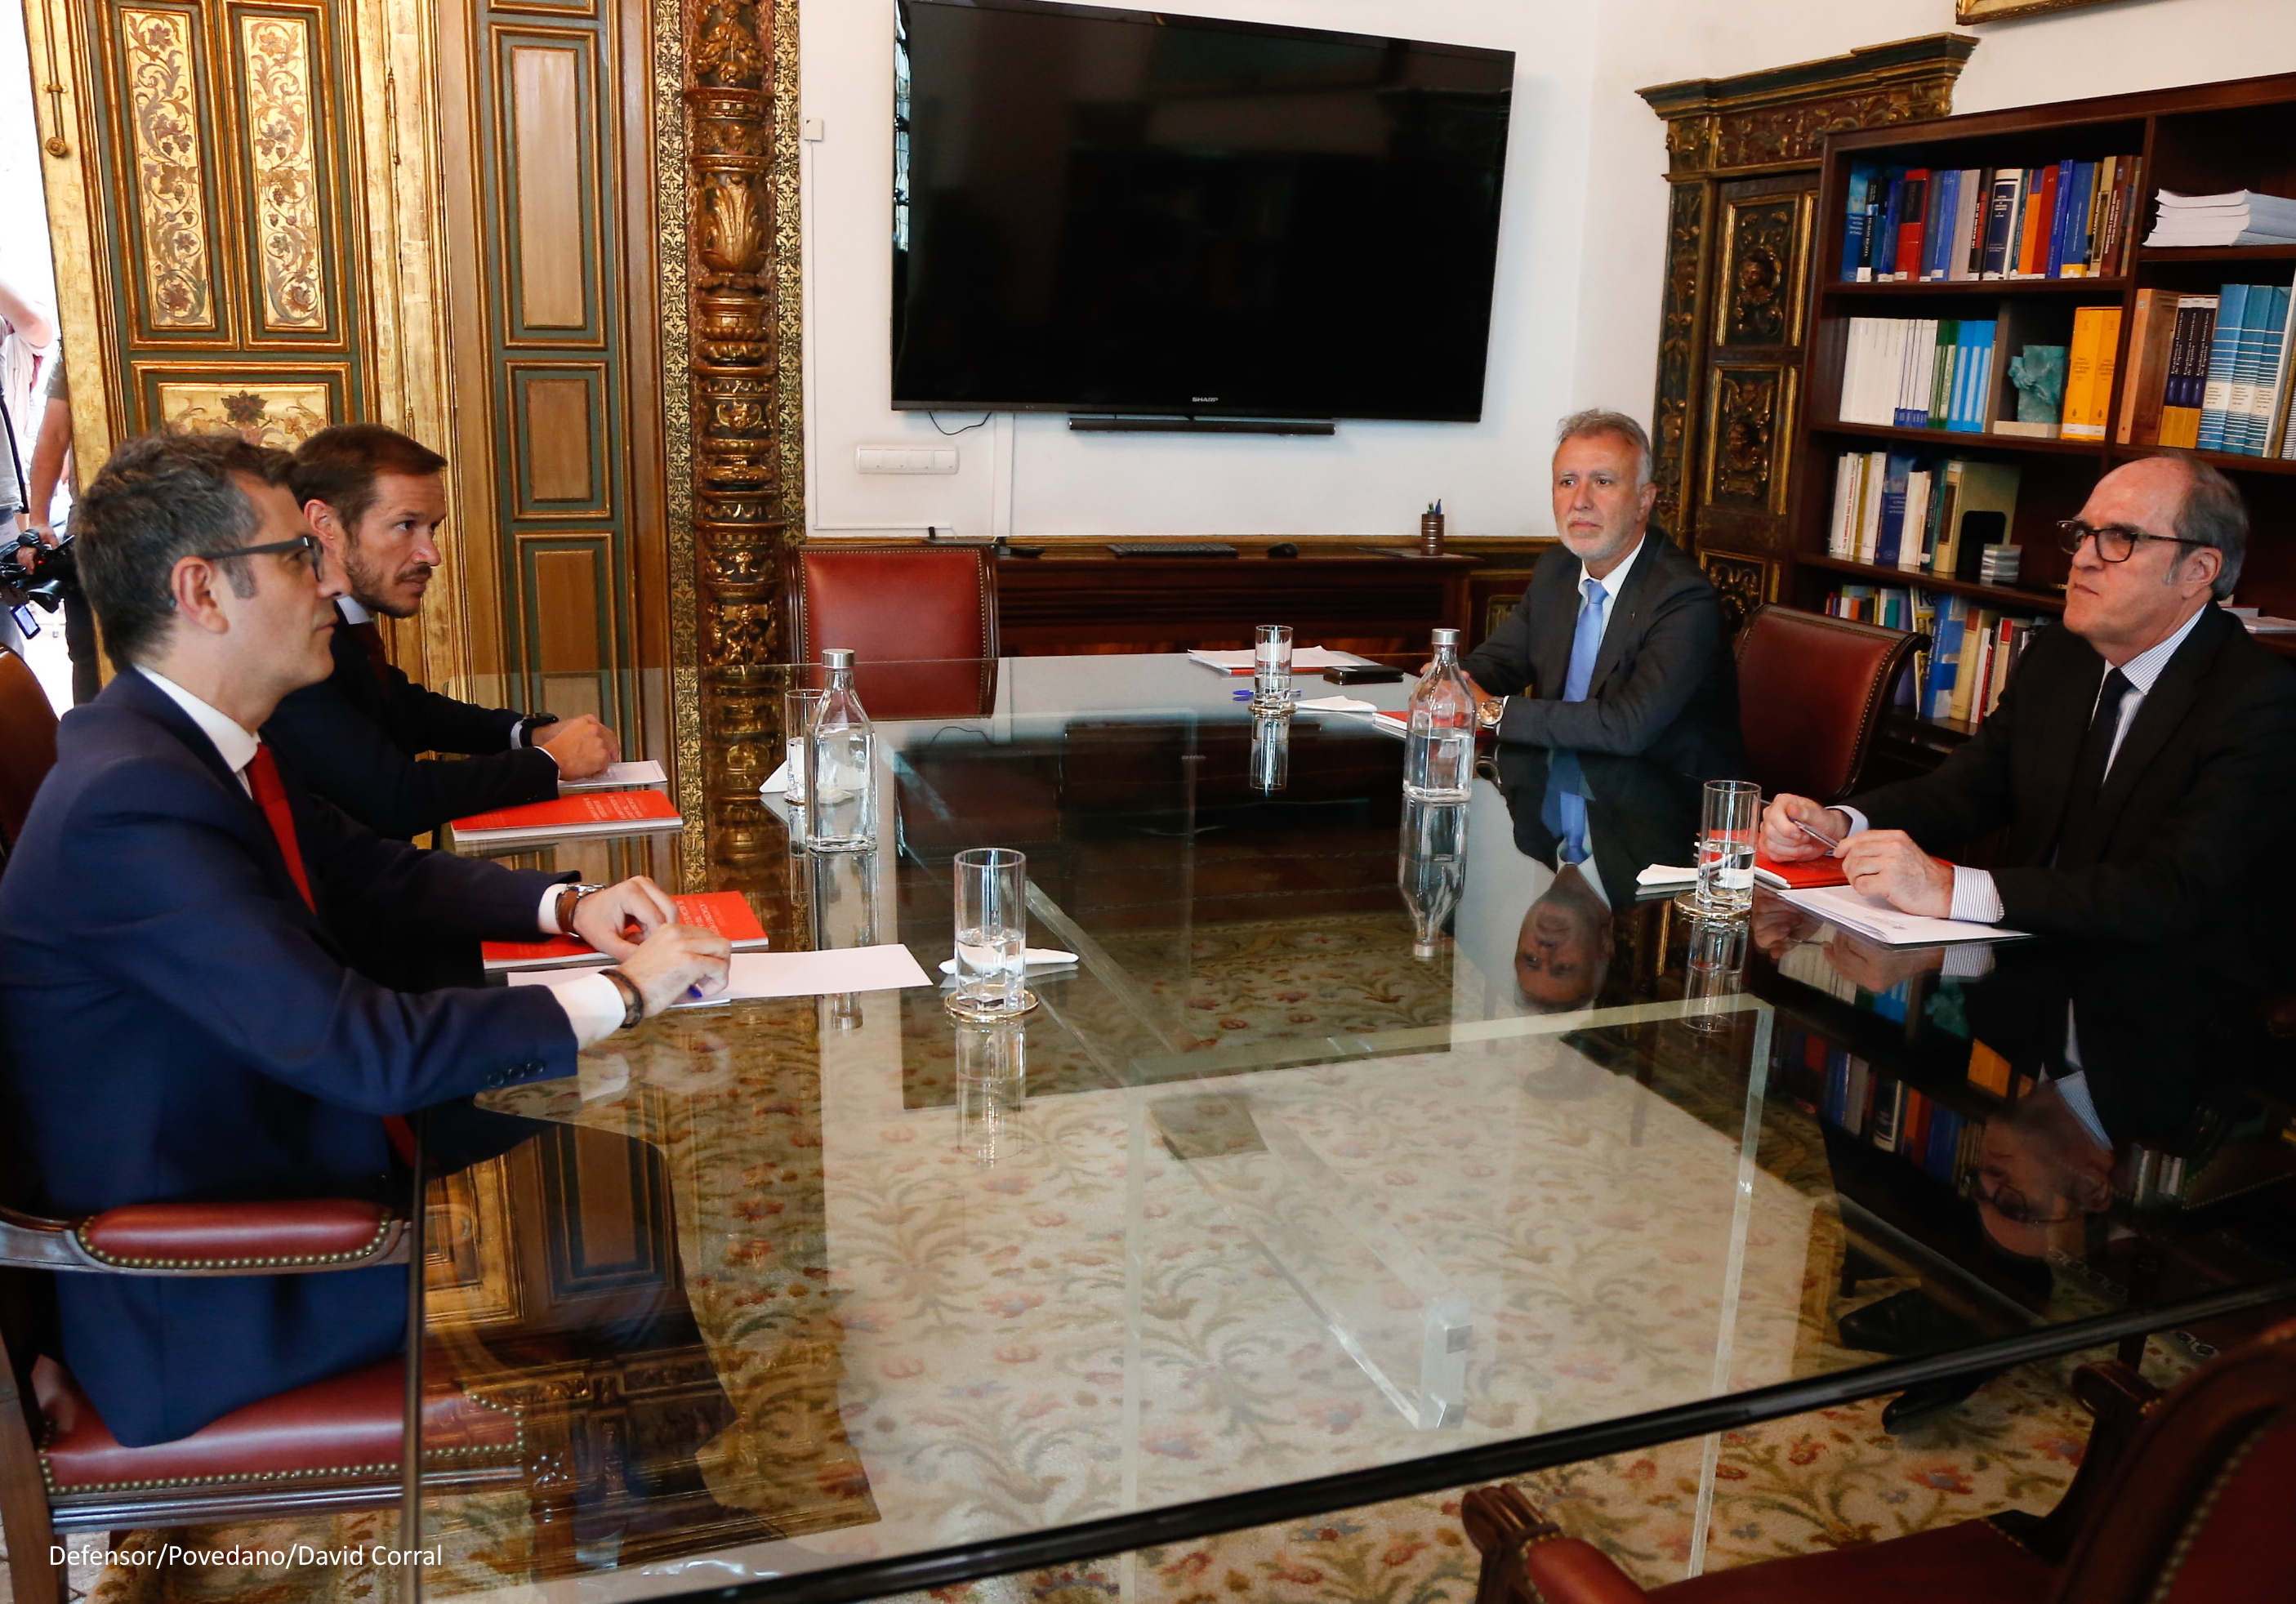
{"type": "Point", "coordinates": [1116, 212]}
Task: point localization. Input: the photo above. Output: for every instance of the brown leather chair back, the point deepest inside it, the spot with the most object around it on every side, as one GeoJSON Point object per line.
{"type": "Point", "coordinates": [2197, 1508]}
{"type": "Point", "coordinates": [902, 604]}
{"type": "Point", "coordinates": [1811, 692]}
{"type": "Point", "coordinates": [27, 742]}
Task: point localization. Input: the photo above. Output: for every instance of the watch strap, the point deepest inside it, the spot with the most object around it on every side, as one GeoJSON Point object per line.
{"type": "Point", "coordinates": [633, 999]}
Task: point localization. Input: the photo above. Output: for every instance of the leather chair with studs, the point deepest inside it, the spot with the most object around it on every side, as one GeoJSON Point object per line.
{"type": "Point", "coordinates": [1811, 692]}
{"type": "Point", "coordinates": [920, 621]}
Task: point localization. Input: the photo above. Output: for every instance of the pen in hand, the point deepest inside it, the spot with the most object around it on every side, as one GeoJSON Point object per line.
{"type": "Point", "coordinates": [1831, 843]}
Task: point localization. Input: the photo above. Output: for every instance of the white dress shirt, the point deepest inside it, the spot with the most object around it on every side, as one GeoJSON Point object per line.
{"type": "Point", "coordinates": [1975, 897]}
{"type": "Point", "coordinates": [592, 1003]}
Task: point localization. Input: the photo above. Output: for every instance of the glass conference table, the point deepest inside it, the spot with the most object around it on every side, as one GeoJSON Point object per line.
{"type": "Point", "coordinates": [1366, 1148]}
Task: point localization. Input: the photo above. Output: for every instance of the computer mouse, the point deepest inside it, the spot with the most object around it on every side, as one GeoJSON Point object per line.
{"type": "Point", "coordinates": [1283, 548]}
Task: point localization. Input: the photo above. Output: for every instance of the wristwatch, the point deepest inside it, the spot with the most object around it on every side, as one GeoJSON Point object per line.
{"type": "Point", "coordinates": [1489, 711]}
{"type": "Point", "coordinates": [521, 734]}
{"type": "Point", "coordinates": [570, 897]}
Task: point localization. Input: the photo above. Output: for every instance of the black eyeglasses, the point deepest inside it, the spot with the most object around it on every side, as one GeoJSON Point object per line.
{"type": "Point", "coordinates": [308, 544]}
{"type": "Point", "coordinates": [2115, 543]}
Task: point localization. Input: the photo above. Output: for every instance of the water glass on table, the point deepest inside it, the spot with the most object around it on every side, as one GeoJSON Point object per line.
{"type": "Point", "coordinates": [798, 709]}
{"type": "Point", "coordinates": [1271, 667]}
{"type": "Point", "coordinates": [1726, 829]}
{"type": "Point", "coordinates": [992, 935]}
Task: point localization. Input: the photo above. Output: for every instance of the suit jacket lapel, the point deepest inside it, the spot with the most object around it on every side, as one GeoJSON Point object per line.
{"type": "Point", "coordinates": [2158, 716]}
{"type": "Point", "coordinates": [254, 829]}
{"type": "Point", "coordinates": [1642, 583]}
{"type": "Point", "coordinates": [1557, 615]}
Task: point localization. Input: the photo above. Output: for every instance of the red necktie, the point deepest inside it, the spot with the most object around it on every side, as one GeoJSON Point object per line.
{"type": "Point", "coordinates": [369, 639]}
{"type": "Point", "coordinates": [271, 797]}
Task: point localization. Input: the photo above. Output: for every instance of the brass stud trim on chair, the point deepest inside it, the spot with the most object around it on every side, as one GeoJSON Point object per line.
{"type": "Point", "coordinates": [383, 1230]}
{"type": "Point", "coordinates": [515, 1449]}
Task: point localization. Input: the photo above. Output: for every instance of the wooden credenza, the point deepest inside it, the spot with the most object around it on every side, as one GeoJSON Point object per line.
{"type": "Point", "coordinates": [1080, 598]}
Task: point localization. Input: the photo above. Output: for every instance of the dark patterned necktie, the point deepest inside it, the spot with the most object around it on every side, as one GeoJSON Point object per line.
{"type": "Point", "coordinates": [2096, 757]}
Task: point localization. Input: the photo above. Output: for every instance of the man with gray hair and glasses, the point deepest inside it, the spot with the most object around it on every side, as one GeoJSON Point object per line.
{"type": "Point", "coordinates": [2142, 757]}
{"type": "Point", "coordinates": [1618, 645]}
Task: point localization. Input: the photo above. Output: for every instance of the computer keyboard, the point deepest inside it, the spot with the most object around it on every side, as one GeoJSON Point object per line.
{"type": "Point", "coordinates": [1173, 548]}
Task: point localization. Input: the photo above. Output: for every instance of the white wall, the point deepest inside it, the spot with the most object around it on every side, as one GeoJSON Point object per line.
{"type": "Point", "coordinates": [1575, 319]}
{"type": "Point", "coordinates": [1370, 478]}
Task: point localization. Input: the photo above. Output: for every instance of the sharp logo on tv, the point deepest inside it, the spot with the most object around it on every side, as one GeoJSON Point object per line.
{"type": "Point", "coordinates": [1095, 210]}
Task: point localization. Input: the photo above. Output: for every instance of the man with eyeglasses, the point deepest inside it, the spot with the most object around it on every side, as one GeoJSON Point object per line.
{"type": "Point", "coordinates": [2143, 757]}
{"type": "Point", "coordinates": [376, 501]}
{"type": "Point", "coordinates": [181, 1013]}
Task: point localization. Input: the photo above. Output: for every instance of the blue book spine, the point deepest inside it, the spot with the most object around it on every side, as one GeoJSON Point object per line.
{"type": "Point", "coordinates": [2055, 267]}
{"type": "Point", "coordinates": [1856, 261]}
{"type": "Point", "coordinates": [2267, 310]}
{"type": "Point", "coordinates": [1936, 242]}
{"type": "Point", "coordinates": [1944, 1143]}
{"type": "Point", "coordinates": [1980, 336]}
{"type": "Point", "coordinates": [2232, 311]}
{"type": "Point", "coordinates": [1943, 664]}
{"type": "Point", "coordinates": [2267, 372]}
{"type": "Point", "coordinates": [2077, 228]}
{"type": "Point", "coordinates": [1886, 538]}
{"type": "Point", "coordinates": [1884, 242]}
{"type": "Point", "coordinates": [1837, 1088]}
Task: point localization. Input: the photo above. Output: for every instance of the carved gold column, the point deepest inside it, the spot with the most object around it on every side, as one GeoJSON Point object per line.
{"type": "Point", "coordinates": [741, 434]}
{"type": "Point", "coordinates": [1743, 156]}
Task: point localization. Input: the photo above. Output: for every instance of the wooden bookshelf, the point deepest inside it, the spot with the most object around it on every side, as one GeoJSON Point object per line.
{"type": "Point", "coordinates": [2199, 140]}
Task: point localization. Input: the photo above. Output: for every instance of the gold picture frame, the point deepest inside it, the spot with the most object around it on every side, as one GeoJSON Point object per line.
{"type": "Point", "coordinates": [1969, 11]}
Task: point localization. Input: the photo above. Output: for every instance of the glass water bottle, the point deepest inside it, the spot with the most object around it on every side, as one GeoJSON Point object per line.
{"type": "Point", "coordinates": [842, 812]}
{"type": "Point", "coordinates": [1438, 764]}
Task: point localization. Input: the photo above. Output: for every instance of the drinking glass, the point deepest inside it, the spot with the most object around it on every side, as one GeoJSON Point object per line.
{"type": "Point", "coordinates": [798, 708]}
{"type": "Point", "coordinates": [1271, 665]}
{"type": "Point", "coordinates": [992, 935]}
{"type": "Point", "coordinates": [992, 1089]}
{"type": "Point", "coordinates": [1717, 969]}
{"type": "Point", "coordinates": [1725, 847]}
{"type": "Point", "coordinates": [1271, 750]}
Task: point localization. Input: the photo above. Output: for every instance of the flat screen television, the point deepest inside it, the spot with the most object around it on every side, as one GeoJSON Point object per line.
{"type": "Point", "coordinates": [1103, 211]}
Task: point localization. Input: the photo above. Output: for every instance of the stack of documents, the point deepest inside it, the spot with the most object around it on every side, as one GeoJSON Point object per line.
{"type": "Point", "coordinates": [2239, 218]}
{"type": "Point", "coordinates": [597, 814]}
{"type": "Point", "coordinates": [1870, 917]}
{"type": "Point", "coordinates": [888, 967]}
{"type": "Point", "coordinates": [727, 912]}
{"type": "Point", "coordinates": [1307, 660]}
{"type": "Point", "coordinates": [619, 776]}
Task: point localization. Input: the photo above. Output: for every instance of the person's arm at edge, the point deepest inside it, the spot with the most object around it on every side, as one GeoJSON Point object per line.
{"type": "Point", "coordinates": [1683, 633]}
{"type": "Point", "coordinates": [339, 752]}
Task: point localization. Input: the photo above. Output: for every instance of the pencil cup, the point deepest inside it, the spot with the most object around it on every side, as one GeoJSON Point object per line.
{"type": "Point", "coordinates": [1431, 534]}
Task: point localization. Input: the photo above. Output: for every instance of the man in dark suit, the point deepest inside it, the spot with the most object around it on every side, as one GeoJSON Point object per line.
{"type": "Point", "coordinates": [179, 1018]}
{"type": "Point", "coordinates": [2143, 757]}
{"type": "Point", "coordinates": [375, 500]}
{"type": "Point", "coordinates": [1618, 645]}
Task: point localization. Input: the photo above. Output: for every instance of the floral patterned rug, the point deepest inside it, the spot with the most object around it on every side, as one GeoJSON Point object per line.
{"type": "Point", "coordinates": [1828, 1479]}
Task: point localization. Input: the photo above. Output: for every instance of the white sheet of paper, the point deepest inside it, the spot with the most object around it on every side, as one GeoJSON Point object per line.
{"type": "Point", "coordinates": [777, 782]}
{"type": "Point", "coordinates": [1032, 957]}
{"type": "Point", "coordinates": [619, 776]}
{"type": "Point", "coordinates": [887, 968]}
{"type": "Point", "coordinates": [1314, 658]}
{"type": "Point", "coordinates": [1666, 874]}
{"type": "Point", "coordinates": [1337, 704]}
{"type": "Point", "coordinates": [1872, 917]}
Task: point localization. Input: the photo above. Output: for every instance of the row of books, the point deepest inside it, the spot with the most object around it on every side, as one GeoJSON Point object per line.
{"type": "Point", "coordinates": [1971, 648]}
{"type": "Point", "coordinates": [1918, 372]}
{"type": "Point", "coordinates": [2212, 372]}
{"type": "Point", "coordinates": [1920, 513]}
{"type": "Point", "coordinates": [2067, 220]}
{"type": "Point", "coordinates": [1860, 1100]}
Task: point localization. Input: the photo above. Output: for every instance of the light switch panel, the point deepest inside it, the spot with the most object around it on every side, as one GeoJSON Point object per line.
{"type": "Point", "coordinates": [906, 459]}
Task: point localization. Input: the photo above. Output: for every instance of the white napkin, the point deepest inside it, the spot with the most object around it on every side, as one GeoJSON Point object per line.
{"type": "Point", "coordinates": [1033, 957]}
{"type": "Point", "coordinates": [778, 781]}
{"type": "Point", "coordinates": [1336, 704]}
{"type": "Point", "coordinates": [1660, 875]}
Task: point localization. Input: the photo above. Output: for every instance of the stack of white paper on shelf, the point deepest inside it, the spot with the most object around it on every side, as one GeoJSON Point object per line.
{"type": "Point", "coordinates": [2239, 217]}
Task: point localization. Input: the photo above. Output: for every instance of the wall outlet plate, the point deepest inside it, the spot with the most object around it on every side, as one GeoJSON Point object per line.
{"type": "Point", "coordinates": [906, 459]}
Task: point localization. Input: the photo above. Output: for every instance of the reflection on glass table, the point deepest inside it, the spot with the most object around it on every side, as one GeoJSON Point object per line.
{"type": "Point", "coordinates": [1359, 1133]}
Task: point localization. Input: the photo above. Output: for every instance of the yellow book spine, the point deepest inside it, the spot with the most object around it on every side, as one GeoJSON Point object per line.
{"type": "Point", "coordinates": [2080, 374]}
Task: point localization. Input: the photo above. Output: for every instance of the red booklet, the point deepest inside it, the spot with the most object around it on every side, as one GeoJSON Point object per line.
{"type": "Point", "coordinates": [1807, 876]}
{"type": "Point", "coordinates": [727, 912]}
{"type": "Point", "coordinates": [596, 813]}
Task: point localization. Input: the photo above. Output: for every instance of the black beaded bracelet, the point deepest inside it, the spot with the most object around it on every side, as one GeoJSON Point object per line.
{"type": "Point", "coordinates": [633, 999]}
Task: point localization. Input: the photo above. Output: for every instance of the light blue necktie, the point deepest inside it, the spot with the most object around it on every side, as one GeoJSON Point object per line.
{"type": "Point", "coordinates": [1585, 643]}
{"type": "Point", "coordinates": [1564, 810]}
